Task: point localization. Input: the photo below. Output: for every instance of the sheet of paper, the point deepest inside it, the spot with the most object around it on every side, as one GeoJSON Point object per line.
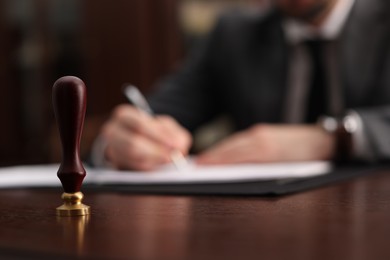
{"type": "Point", "coordinates": [46, 175]}
{"type": "Point", "coordinates": [29, 176]}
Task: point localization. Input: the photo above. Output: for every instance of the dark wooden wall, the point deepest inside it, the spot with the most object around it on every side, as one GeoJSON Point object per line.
{"type": "Point", "coordinates": [9, 109]}
{"type": "Point", "coordinates": [113, 42]}
{"type": "Point", "coordinates": [133, 41]}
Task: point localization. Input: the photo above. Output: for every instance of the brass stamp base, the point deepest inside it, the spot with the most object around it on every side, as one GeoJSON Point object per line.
{"type": "Point", "coordinates": [72, 205]}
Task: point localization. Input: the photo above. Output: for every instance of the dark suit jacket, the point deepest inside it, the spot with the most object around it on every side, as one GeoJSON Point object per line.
{"type": "Point", "coordinates": [241, 70]}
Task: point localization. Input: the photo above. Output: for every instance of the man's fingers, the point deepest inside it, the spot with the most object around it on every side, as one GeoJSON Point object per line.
{"type": "Point", "coordinates": [126, 150]}
{"type": "Point", "coordinates": [267, 143]}
{"type": "Point", "coordinates": [229, 151]}
{"type": "Point", "coordinates": [180, 138]}
{"type": "Point", "coordinates": [139, 122]}
{"type": "Point", "coordinates": [139, 141]}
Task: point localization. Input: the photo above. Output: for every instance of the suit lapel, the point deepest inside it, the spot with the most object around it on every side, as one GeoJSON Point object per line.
{"type": "Point", "coordinates": [265, 72]}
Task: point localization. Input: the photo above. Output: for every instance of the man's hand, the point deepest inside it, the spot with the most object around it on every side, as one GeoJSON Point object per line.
{"type": "Point", "coordinates": [136, 140]}
{"type": "Point", "coordinates": [272, 143]}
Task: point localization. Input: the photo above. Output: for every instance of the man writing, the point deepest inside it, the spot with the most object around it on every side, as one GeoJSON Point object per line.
{"type": "Point", "coordinates": [303, 80]}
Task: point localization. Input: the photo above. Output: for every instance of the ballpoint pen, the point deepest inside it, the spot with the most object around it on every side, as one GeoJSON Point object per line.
{"type": "Point", "coordinates": [136, 98]}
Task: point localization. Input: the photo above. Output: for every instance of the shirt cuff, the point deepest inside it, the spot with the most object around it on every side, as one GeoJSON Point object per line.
{"type": "Point", "coordinates": [361, 149]}
{"type": "Point", "coordinates": [98, 158]}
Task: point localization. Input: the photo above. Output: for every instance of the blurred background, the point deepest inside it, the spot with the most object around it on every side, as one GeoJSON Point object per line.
{"type": "Point", "coordinates": [105, 43]}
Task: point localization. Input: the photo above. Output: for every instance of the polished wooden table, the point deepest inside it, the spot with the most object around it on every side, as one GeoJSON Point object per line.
{"type": "Point", "coordinates": [349, 220]}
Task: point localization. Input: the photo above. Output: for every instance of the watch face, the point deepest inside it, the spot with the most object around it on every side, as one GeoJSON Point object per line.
{"type": "Point", "coordinates": [329, 124]}
{"type": "Point", "coordinates": [350, 124]}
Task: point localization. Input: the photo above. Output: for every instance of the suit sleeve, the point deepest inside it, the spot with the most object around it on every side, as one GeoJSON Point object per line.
{"type": "Point", "coordinates": [376, 118]}
{"type": "Point", "coordinates": [191, 95]}
{"type": "Point", "coordinates": [376, 125]}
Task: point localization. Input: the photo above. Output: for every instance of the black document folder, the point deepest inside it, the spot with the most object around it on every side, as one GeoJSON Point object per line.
{"type": "Point", "coordinates": [252, 188]}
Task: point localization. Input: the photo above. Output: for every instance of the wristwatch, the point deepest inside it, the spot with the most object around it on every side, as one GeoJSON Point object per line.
{"type": "Point", "coordinates": [343, 129]}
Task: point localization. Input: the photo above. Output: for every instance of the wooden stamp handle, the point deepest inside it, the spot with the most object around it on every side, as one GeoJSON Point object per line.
{"type": "Point", "coordinates": [69, 101]}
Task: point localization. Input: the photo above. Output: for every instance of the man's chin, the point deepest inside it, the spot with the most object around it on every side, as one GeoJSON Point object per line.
{"type": "Point", "coordinates": [310, 13]}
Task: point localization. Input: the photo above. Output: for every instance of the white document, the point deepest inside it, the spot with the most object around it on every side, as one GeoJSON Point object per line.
{"type": "Point", "coordinates": [46, 175]}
